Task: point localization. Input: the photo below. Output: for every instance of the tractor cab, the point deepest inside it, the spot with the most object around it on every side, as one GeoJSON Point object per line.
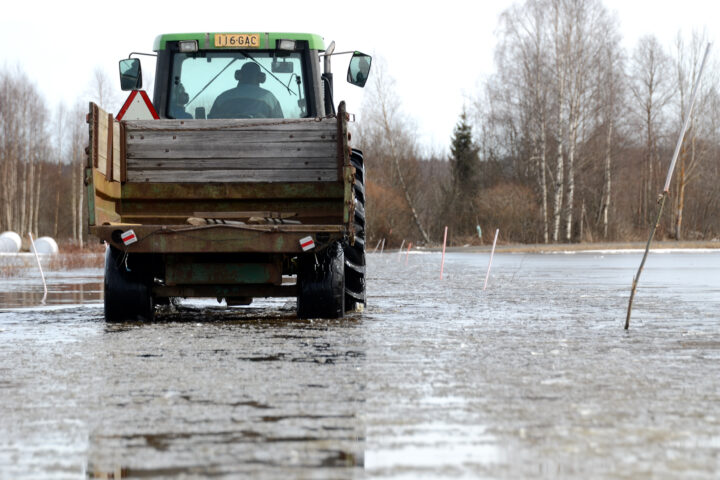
{"type": "Point", "coordinates": [242, 75]}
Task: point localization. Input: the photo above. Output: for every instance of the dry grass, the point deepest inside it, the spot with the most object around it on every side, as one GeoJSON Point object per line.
{"type": "Point", "coordinates": [71, 247]}
{"type": "Point", "coordinates": [73, 261]}
{"type": "Point", "coordinates": [71, 257]}
{"type": "Point", "coordinates": [579, 247]}
{"type": "Point", "coordinates": [13, 266]}
{"type": "Point", "coordinates": [8, 270]}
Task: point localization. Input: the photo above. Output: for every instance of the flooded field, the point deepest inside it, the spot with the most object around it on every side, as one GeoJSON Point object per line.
{"type": "Point", "coordinates": [532, 378]}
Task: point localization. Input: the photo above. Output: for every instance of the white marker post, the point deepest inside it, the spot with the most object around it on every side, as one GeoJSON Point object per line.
{"type": "Point", "coordinates": [407, 255]}
{"type": "Point", "coordinates": [492, 253]}
{"type": "Point", "coordinates": [42, 275]}
{"type": "Point", "coordinates": [442, 262]}
{"type": "Point", "coordinates": [377, 246]}
{"type": "Point", "coordinates": [401, 250]}
{"type": "Point", "coordinates": [382, 247]}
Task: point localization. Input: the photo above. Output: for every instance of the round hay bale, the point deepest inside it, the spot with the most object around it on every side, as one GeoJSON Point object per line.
{"type": "Point", "coordinates": [46, 245]}
{"type": "Point", "coordinates": [10, 242]}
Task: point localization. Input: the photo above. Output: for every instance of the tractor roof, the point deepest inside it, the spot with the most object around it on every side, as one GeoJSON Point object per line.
{"type": "Point", "coordinates": [219, 40]}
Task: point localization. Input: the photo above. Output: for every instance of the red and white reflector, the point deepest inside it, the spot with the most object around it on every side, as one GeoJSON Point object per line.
{"type": "Point", "coordinates": [307, 243]}
{"type": "Point", "coordinates": [129, 237]}
{"type": "Point", "coordinates": [137, 107]}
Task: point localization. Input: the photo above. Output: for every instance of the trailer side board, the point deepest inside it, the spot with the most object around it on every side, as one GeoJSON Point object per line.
{"type": "Point", "coordinates": [172, 151]}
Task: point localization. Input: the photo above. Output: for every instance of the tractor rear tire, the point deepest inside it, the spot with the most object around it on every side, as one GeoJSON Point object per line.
{"type": "Point", "coordinates": [321, 284]}
{"type": "Point", "coordinates": [355, 254]}
{"type": "Point", "coordinates": [127, 294]}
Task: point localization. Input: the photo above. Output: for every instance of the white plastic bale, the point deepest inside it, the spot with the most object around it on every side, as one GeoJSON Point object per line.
{"type": "Point", "coordinates": [10, 242]}
{"type": "Point", "coordinates": [46, 245]}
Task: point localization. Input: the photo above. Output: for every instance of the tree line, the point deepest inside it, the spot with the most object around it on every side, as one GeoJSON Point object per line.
{"type": "Point", "coordinates": [569, 140]}
{"type": "Point", "coordinates": [42, 155]}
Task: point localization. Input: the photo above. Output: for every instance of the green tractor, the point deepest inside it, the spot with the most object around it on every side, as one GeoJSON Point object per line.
{"type": "Point", "coordinates": [237, 181]}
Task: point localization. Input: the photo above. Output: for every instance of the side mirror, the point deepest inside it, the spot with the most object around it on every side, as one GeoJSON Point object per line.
{"type": "Point", "coordinates": [130, 74]}
{"type": "Point", "coordinates": [359, 69]}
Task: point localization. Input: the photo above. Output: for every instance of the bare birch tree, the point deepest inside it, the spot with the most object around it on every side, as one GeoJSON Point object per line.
{"type": "Point", "coordinates": [102, 90]}
{"type": "Point", "coordinates": [651, 88]}
{"type": "Point", "coordinates": [695, 149]}
{"type": "Point", "coordinates": [60, 134]}
{"type": "Point", "coordinates": [384, 126]}
{"type": "Point", "coordinates": [610, 91]}
{"type": "Point", "coordinates": [22, 151]}
{"type": "Point", "coordinates": [79, 138]}
{"type": "Point", "coordinates": [523, 83]}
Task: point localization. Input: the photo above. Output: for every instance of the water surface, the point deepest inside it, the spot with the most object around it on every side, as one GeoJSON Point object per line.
{"type": "Point", "coordinates": [532, 378]}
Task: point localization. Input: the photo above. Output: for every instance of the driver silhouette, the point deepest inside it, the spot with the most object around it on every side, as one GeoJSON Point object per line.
{"type": "Point", "coordinates": [248, 99]}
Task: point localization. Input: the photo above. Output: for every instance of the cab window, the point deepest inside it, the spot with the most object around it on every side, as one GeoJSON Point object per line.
{"type": "Point", "coordinates": [237, 84]}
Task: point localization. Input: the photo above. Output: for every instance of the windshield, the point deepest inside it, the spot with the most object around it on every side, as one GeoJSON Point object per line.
{"type": "Point", "coordinates": [236, 84]}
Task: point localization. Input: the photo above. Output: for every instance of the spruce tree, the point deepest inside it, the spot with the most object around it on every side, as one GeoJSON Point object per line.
{"type": "Point", "coordinates": [464, 163]}
{"type": "Point", "coordinates": [464, 158]}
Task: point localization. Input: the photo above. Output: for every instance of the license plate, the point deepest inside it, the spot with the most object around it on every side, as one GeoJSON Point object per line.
{"type": "Point", "coordinates": [237, 40]}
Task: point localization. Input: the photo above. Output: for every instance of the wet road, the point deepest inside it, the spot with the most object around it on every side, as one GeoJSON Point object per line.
{"type": "Point", "coordinates": [533, 378]}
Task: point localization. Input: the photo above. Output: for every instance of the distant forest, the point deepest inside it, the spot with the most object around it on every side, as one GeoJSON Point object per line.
{"type": "Point", "coordinates": [568, 141]}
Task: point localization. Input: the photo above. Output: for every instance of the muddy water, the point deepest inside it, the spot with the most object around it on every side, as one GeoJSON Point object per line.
{"type": "Point", "coordinates": [533, 378]}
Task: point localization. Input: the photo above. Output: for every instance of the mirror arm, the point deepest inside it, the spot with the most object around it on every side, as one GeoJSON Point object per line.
{"type": "Point", "coordinates": [332, 54]}
{"type": "Point", "coordinates": [140, 53]}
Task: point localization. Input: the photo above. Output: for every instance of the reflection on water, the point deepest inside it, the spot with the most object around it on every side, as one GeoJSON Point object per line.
{"type": "Point", "coordinates": [532, 378]}
{"type": "Point", "coordinates": [76, 287]}
{"type": "Point", "coordinates": [79, 293]}
{"type": "Point", "coordinates": [259, 391]}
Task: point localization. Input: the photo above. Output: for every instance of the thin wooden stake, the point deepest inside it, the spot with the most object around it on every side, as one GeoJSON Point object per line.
{"type": "Point", "coordinates": [382, 247]}
{"type": "Point", "coordinates": [666, 190]}
{"type": "Point", "coordinates": [377, 246]}
{"type": "Point", "coordinates": [407, 255]}
{"type": "Point", "coordinates": [492, 253]}
{"type": "Point", "coordinates": [642, 263]}
{"type": "Point", "coordinates": [42, 275]}
{"type": "Point", "coordinates": [442, 262]}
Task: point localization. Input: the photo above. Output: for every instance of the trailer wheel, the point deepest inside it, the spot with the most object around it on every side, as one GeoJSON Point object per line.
{"type": "Point", "coordinates": [127, 295]}
{"type": "Point", "coordinates": [355, 254]}
{"type": "Point", "coordinates": [321, 284]}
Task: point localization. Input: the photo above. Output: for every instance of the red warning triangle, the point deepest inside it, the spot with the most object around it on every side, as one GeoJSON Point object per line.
{"type": "Point", "coordinates": [137, 107]}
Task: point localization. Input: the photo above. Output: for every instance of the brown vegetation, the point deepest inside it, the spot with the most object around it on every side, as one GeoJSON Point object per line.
{"type": "Point", "coordinates": [71, 257]}
{"type": "Point", "coordinates": [570, 140]}
{"type": "Point", "coordinates": [573, 137]}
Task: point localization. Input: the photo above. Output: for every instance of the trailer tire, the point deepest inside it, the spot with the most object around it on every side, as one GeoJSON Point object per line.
{"type": "Point", "coordinates": [127, 295]}
{"type": "Point", "coordinates": [355, 254]}
{"type": "Point", "coordinates": [321, 284]}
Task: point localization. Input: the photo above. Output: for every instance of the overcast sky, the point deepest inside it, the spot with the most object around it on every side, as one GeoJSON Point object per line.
{"type": "Point", "coordinates": [60, 43]}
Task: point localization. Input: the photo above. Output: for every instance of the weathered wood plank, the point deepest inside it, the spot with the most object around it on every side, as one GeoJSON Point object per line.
{"type": "Point", "coordinates": [330, 207]}
{"type": "Point", "coordinates": [255, 150]}
{"type": "Point", "coordinates": [109, 147]}
{"type": "Point", "coordinates": [123, 159]}
{"type": "Point", "coordinates": [233, 192]}
{"type": "Point", "coordinates": [242, 215]}
{"type": "Point", "coordinates": [102, 140]}
{"type": "Point", "coordinates": [116, 153]}
{"type": "Point", "coordinates": [230, 124]}
{"type": "Point", "coordinates": [179, 137]}
{"type": "Point", "coordinates": [230, 163]}
{"type": "Point", "coordinates": [195, 176]}
{"type": "Point", "coordinates": [92, 158]}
